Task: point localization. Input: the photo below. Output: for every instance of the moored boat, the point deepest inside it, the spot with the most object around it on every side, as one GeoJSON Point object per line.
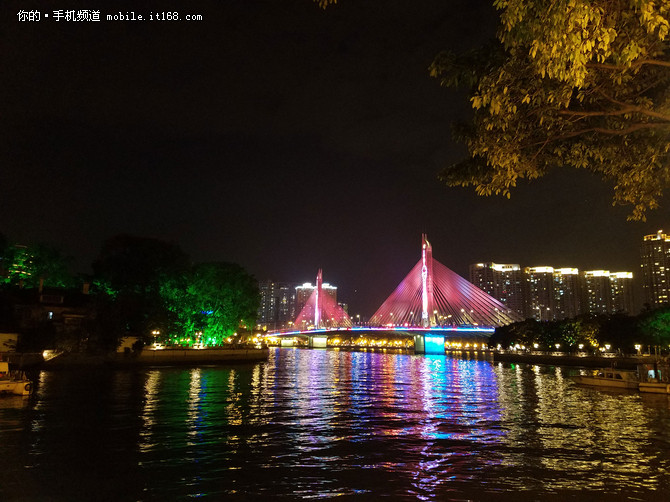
{"type": "Point", "coordinates": [655, 387]}
{"type": "Point", "coordinates": [612, 378]}
{"type": "Point", "coordinates": [13, 382]}
{"type": "Point", "coordinates": [654, 376]}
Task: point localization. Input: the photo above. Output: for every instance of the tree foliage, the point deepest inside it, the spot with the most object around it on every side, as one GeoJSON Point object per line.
{"type": "Point", "coordinates": [583, 330]}
{"type": "Point", "coordinates": [132, 264]}
{"type": "Point", "coordinates": [128, 274]}
{"type": "Point", "coordinates": [211, 302]}
{"type": "Point", "coordinates": [655, 325]}
{"type": "Point", "coordinates": [27, 266]}
{"type": "Point", "coordinates": [325, 3]}
{"type": "Point", "coordinates": [620, 331]}
{"type": "Point", "coordinates": [580, 83]}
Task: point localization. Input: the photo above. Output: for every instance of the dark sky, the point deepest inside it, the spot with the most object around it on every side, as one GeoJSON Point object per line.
{"type": "Point", "coordinates": [275, 135]}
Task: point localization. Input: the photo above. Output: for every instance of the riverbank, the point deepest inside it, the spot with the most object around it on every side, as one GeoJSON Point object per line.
{"type": "Point", "coordinates": [562, 359]}
{"type": "Point", "coordinates": [180, 356]}
{"type": "Point", "coordinates": [146, 357]}
{"type": "Point", "coordinates": [169, 357]}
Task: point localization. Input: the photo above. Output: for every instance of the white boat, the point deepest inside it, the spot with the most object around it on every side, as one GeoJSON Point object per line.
{"type": "Point", "coordinates": [13, 382]}
{"type": "Point", "coordinates": [618, 379]}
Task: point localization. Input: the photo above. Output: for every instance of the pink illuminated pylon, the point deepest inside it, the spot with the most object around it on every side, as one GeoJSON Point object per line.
{"type": "Point", "coordinates": [322, 310]}
{"type": "Point", "coordinates": [433, 295]}
{"type": "Point", "coordinates": [426, 282]}
{"type": "Point", "coordinates": [318, 301]}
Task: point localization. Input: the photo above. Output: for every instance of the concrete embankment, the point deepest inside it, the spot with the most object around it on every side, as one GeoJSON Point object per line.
{"type": "Point", "coordinates": [195, 356]}
{"type": "Point", "coordinates": [164, 357]}
{"type": "Point", "coordinates": [622, 362]}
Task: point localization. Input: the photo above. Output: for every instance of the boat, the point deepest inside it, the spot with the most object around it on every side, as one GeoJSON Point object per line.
{"type": "Point", "coordinates": [13, 381]}
{"type": "Point", "coordinates": [654, 377]}
{"type": "Point", "coordinates": [612, 378]}
{"type": "Point", "coordinates": [655, 387]}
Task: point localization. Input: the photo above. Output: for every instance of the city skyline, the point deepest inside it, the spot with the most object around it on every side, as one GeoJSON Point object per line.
{"type": "Point", "coordinates": [278, 136]}
{"type": "Point", "coordinates": [563, 292]}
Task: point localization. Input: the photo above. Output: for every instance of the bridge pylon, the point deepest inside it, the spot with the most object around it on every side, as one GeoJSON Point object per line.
{"type": "Point", "coordinates": [434, 296]}
{"type": "Point", "coordinates": [427, 299]}
{"type": "Point", "coordinates": [321, 309]}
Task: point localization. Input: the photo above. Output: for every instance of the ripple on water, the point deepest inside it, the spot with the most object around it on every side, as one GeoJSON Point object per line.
{"type": "Point", "coordinates": [317, 424]}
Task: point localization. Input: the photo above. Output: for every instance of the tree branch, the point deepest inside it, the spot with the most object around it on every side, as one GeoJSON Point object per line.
{"type": "Point", "coordinates": [635, 64]}
{"type": "Point", "coordinates": [635, 108]}
{"type": "Point", "coordinates": [628, 130]}
{"type": "Point", "coordinates": [575, 113]}
{"type": "Point", "coordinates": [602, 130]}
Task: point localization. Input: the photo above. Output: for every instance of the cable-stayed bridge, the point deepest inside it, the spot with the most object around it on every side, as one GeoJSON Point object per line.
{"type": "Point", "coordinates": [432, 303]}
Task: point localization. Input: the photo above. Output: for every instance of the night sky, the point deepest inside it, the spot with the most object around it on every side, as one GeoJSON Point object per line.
{"type": "Point", "coordinates": [275, 135]}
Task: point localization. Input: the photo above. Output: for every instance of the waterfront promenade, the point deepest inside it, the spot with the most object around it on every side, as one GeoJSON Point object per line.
{"type": "Point", "coordinates": [573, 359]}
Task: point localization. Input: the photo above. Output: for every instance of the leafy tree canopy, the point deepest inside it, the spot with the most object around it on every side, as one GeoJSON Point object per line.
{"type": "Point", "coordinates": [325, 3]}
{"type": "Point", "coordinates": [3, 261]}
{"type": "Point", "coordinates": [580, 83]}
{"type": "Point", "coordinates": [28, 265]}
{"type": "Point", "coordinates": [620, 331]}
{"type": "Point", "coordinates": [132, 264]}
{"type": "Point", "coordinates": [655, 327]}
{"type": "Point", "coordinates": [129, 272]}
{"type": "Point", "coordinates": [215, 299]}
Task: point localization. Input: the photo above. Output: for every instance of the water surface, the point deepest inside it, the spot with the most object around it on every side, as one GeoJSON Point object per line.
{"type": "Point", "coordinates": [318, 424]}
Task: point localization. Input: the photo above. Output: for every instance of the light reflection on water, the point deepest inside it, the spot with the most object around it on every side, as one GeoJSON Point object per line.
{"type": "Point", "coordinates": [317, 423]}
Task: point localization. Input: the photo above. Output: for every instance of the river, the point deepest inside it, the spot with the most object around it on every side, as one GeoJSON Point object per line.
{"type": "Point", "coordinates": [317, 424]}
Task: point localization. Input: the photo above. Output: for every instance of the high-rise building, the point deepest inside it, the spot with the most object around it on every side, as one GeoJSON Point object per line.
{"type": "Point", "coordinates": [551, 294]}
{"type": "Point", "coordinates": [621, 292]}
{"type": "Point", "coordinates": [566, 294]}
{"type": "Point", "coordinates": [483, 276]}
{"type": "Point", "coordinates": [596, 292]}
{"type": "Point", "coordinates": [502, 281]}
{"type": "Point", "coordinates": [607, 292]}
{"type": "Point", "coordinates": [655, 255]}
{"type": "Point", "coordinates": [540, 293]}
{"type": "Point", "coordinates": [277, 306]}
